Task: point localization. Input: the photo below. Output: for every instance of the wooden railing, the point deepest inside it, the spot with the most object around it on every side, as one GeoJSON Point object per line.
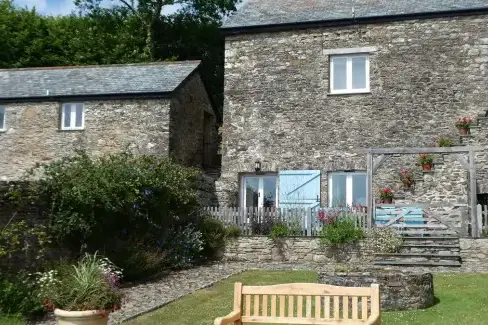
{"type": "Point", "coordinates": [482, 215]}
{"type": "Point", "coordinates": [304, 221]}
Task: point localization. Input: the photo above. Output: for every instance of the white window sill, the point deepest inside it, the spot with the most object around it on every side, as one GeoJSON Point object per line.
{"type": "Point", "coordinates": [3, 130]}
{"type": "Point", "coordinates": [72, 129]}
{"type": "Point", "coordinates": [350, 92]}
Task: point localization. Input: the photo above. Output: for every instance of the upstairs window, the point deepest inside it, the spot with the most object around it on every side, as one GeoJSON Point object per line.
{"type": "Point", "coordinates": [349, 74]}
{"type": "Point", "coordinates": [73, 116]}
{"type": "Point", "coordinates": [2, 119]}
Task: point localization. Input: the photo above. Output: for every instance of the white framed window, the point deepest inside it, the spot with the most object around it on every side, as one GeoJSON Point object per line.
{"type": "Point", "coordinates": [258, 191]}
{"type": "Point", "coordinates": [349, 74]}
{"type": "Point", "coordinates": [347, 188]}
{"type": "Point", "coordinates": [3, 119]}
{"type": "Point", "coordinates": [73, 116]}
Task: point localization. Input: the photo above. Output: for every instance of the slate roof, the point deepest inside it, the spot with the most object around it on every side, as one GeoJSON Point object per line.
{"type": "Point", "coordinates": [270, 12]}
{"type": "Point", "coordinates": [94, 80]}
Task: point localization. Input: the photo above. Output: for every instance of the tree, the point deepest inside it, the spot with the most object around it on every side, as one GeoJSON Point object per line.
{"type": "Point", "coordinates": [150, 14]}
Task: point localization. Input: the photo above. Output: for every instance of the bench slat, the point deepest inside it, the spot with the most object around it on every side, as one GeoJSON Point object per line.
{"type": "Point", "coordinates": [300, 306]}
{"type": "Point", "coordinates": [345, 307]}
{"type": "Point", "coordinates": [336, 307]}
{"type": "Point", "coordinates": [317, 307]}
{"type": "Point", "coordinates": [248, 305]}
{"type": "Point", "coordinates": [265, 305]}
{"type": "Point", "coordinates": [294, 320]}
{"type": "Point", "coordinates": [291, 306]}
{"type": "Point", "coordinates": [256, 305]}
{"type": "Point", "coordinates": [282, 306]}
{"type": "Point", "coordinates": [327, 307]}
{"type": "Point", "coordinates": [303, 289]}
{"type": "Point", "coordinates": [354, 307]}
{"type": "Point", "coordinates": [309, 307]}
{"type": "Point", "coordinates": [364, 308]}
{"type": "Point", "coordinates": [273, 306]}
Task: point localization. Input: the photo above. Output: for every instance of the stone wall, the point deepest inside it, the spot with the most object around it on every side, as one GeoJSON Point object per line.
{"type": "Point", "coordinates": [424, 75]}
{"type": "Point", "coordinates": [34, 133]}
{"type": "Point", "coordinates": [474, 254]}
{"type": "Point", "coordinates": [293, 249]}
{"type": "Point", "coordinates": [192, 124]}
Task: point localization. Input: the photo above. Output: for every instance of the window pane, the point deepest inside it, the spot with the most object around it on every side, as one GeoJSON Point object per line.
{"type": "Point", "coordinates": [359, 189]}
{"type": "Point", "coordinates": [338, 190]}
{"type": "Point", "coordinates": [2, 118]}
{"type": "Point", "coordinates": [340, 73]}
{"type": "Point", "coordinates": [67, 115]}
{"type": "Point", "coordinates": [252, 191]}
{"type": "Point", "coordinates": [269, 189]}
{"type": "Point", "coordinates": [359, 72]}
{"type": "Point", "coordinates": [79, 115]}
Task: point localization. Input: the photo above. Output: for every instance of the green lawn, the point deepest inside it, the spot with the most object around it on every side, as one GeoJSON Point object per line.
{"type": "Point", "coordinates": [463, 301]}
{"type": "Point", "coordinates": [10, 321]}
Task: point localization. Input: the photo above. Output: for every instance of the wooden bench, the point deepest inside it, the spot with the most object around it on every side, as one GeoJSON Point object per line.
{"type": "Point", "coordinates": [304, 303]}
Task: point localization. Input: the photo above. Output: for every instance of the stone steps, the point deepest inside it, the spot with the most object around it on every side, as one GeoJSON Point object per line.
{"type": "Point", "coordinates": [452, 264]}
{"type": "Point", "coordinates": [412, 257]}
{"type": "Point", "coordinates": [430, 249]}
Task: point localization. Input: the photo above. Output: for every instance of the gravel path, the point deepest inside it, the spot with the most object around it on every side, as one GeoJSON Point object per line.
{"type": "Point", "coordinates": [143, 298]}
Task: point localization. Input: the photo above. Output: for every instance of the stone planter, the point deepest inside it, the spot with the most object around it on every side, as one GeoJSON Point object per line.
{"type": "Point", "coordinates": [464, 131]}
{"type": "Point", "coordinates": [88, 317]}
{"type": "Point", "coordinates": [427, 166]}
{"type": "Point", "coordinates": [399, 290]}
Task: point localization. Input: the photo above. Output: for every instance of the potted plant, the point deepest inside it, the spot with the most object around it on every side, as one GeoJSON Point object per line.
{"type": "Point", "coordinates": [82, 294]}
{"type": "Point", "coordinates": [386, 195]}
{"type": "Point", "coordinates": [464, 125]}
{"type": "Point", "coordinates": [406, 178]}
{"type": "Point", "coordinates": [425, 161]}
{"type": "Point", "coordinates": [444, 142]}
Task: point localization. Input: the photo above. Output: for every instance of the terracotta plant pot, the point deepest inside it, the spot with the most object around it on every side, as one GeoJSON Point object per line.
{"type": "Point", "coordinates": [89, 317]}
{"type": "Point", "coordinates": [464, 131]}
{"type": "Point", "coordinates": [387, 200]}
{"type": "Point", "coordinates": [427, 166]}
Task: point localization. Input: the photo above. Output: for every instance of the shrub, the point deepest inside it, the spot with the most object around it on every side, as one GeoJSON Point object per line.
{"type": "Point", "coordinates": [183, 247]}
{"type": "Point", "coordinates": [262, 224]}
{"type": "Point", "coordinates": [233, 231]}
{"type": "Point", "coordinates": [383, 240]}
{"type": "Point", "coordinates": [279, 230]}
{"type": "Point", "coordinates": [213, 237]}
{"type": "Point", "coordinates": [95, 203]}
{"type": "Point", "coordinates": [92, 284]}
{"type": "Point", "coordinates": [18, 296]}
{"type": "Point", "coordinates": [295, 226]}
{"type": "Point", "coordinates": [22, 245]}
{"type": "Point", "coordinates": [340, 231]}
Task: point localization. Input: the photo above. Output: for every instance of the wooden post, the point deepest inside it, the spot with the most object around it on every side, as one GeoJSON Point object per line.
{"type": "Point", "coordinates": [369, 190]}
{"type": "Point", "coordinates": [472, 194]}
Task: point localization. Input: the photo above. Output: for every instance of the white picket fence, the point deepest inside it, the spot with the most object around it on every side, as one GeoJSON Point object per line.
{"type": "Point", "coordinates": [482, 214]}
{"type": "Point", "coordinates": [251, 220]}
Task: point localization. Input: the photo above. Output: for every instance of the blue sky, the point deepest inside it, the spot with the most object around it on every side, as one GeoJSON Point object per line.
{"type": "Point", "coordinates": [62, 7]}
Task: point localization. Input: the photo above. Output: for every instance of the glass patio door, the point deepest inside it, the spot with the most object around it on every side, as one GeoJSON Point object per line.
{"type": "Point", "coordinates": [259, 191]}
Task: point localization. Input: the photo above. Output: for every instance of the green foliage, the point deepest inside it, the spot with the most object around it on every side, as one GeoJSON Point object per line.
{"type": "Point", "coordinates": [20, 241]}
{"type": "Point", "coordinates": [383, 240]}
{"type": "Point", "coordinates": [118, 196]}
{"type": "Point", "coordinates": [214, 234]}
{"type": "Point", "coordinates": [18, 296]}
{"type": "Point", "coordinates": [280, 229]}
{"type": "Point", "coordinates": [341, 231]}
{"type": "Point", "coordinates": [233, 231]}
{"type": "Point", "coordinates": [84, 286]}
{"type": "Point", "coordinates": [295, 226]}
{"type": "Point", "coordinates": [444, 142]}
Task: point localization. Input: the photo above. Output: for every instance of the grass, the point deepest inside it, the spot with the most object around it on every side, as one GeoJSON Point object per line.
{"type": "Point", "coordinates": [463, 300]}
{"type": "Point", "coordinates": [4, 320]}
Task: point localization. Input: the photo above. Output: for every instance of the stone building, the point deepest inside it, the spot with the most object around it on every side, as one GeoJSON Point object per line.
{"type": "Point", "coordinates": [307, 83]}
{"type": "Point", "coordinates": [156, 108]}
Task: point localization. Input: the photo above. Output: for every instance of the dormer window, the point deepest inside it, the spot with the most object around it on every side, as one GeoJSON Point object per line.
{"type": "Point", "coordinates": [73, 116]}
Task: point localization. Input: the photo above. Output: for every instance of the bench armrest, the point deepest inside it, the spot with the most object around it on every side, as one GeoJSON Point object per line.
{"type": "Point", "coordinates": [232, 317]}
{"type": "Point", "coordinates": [374, 320]}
